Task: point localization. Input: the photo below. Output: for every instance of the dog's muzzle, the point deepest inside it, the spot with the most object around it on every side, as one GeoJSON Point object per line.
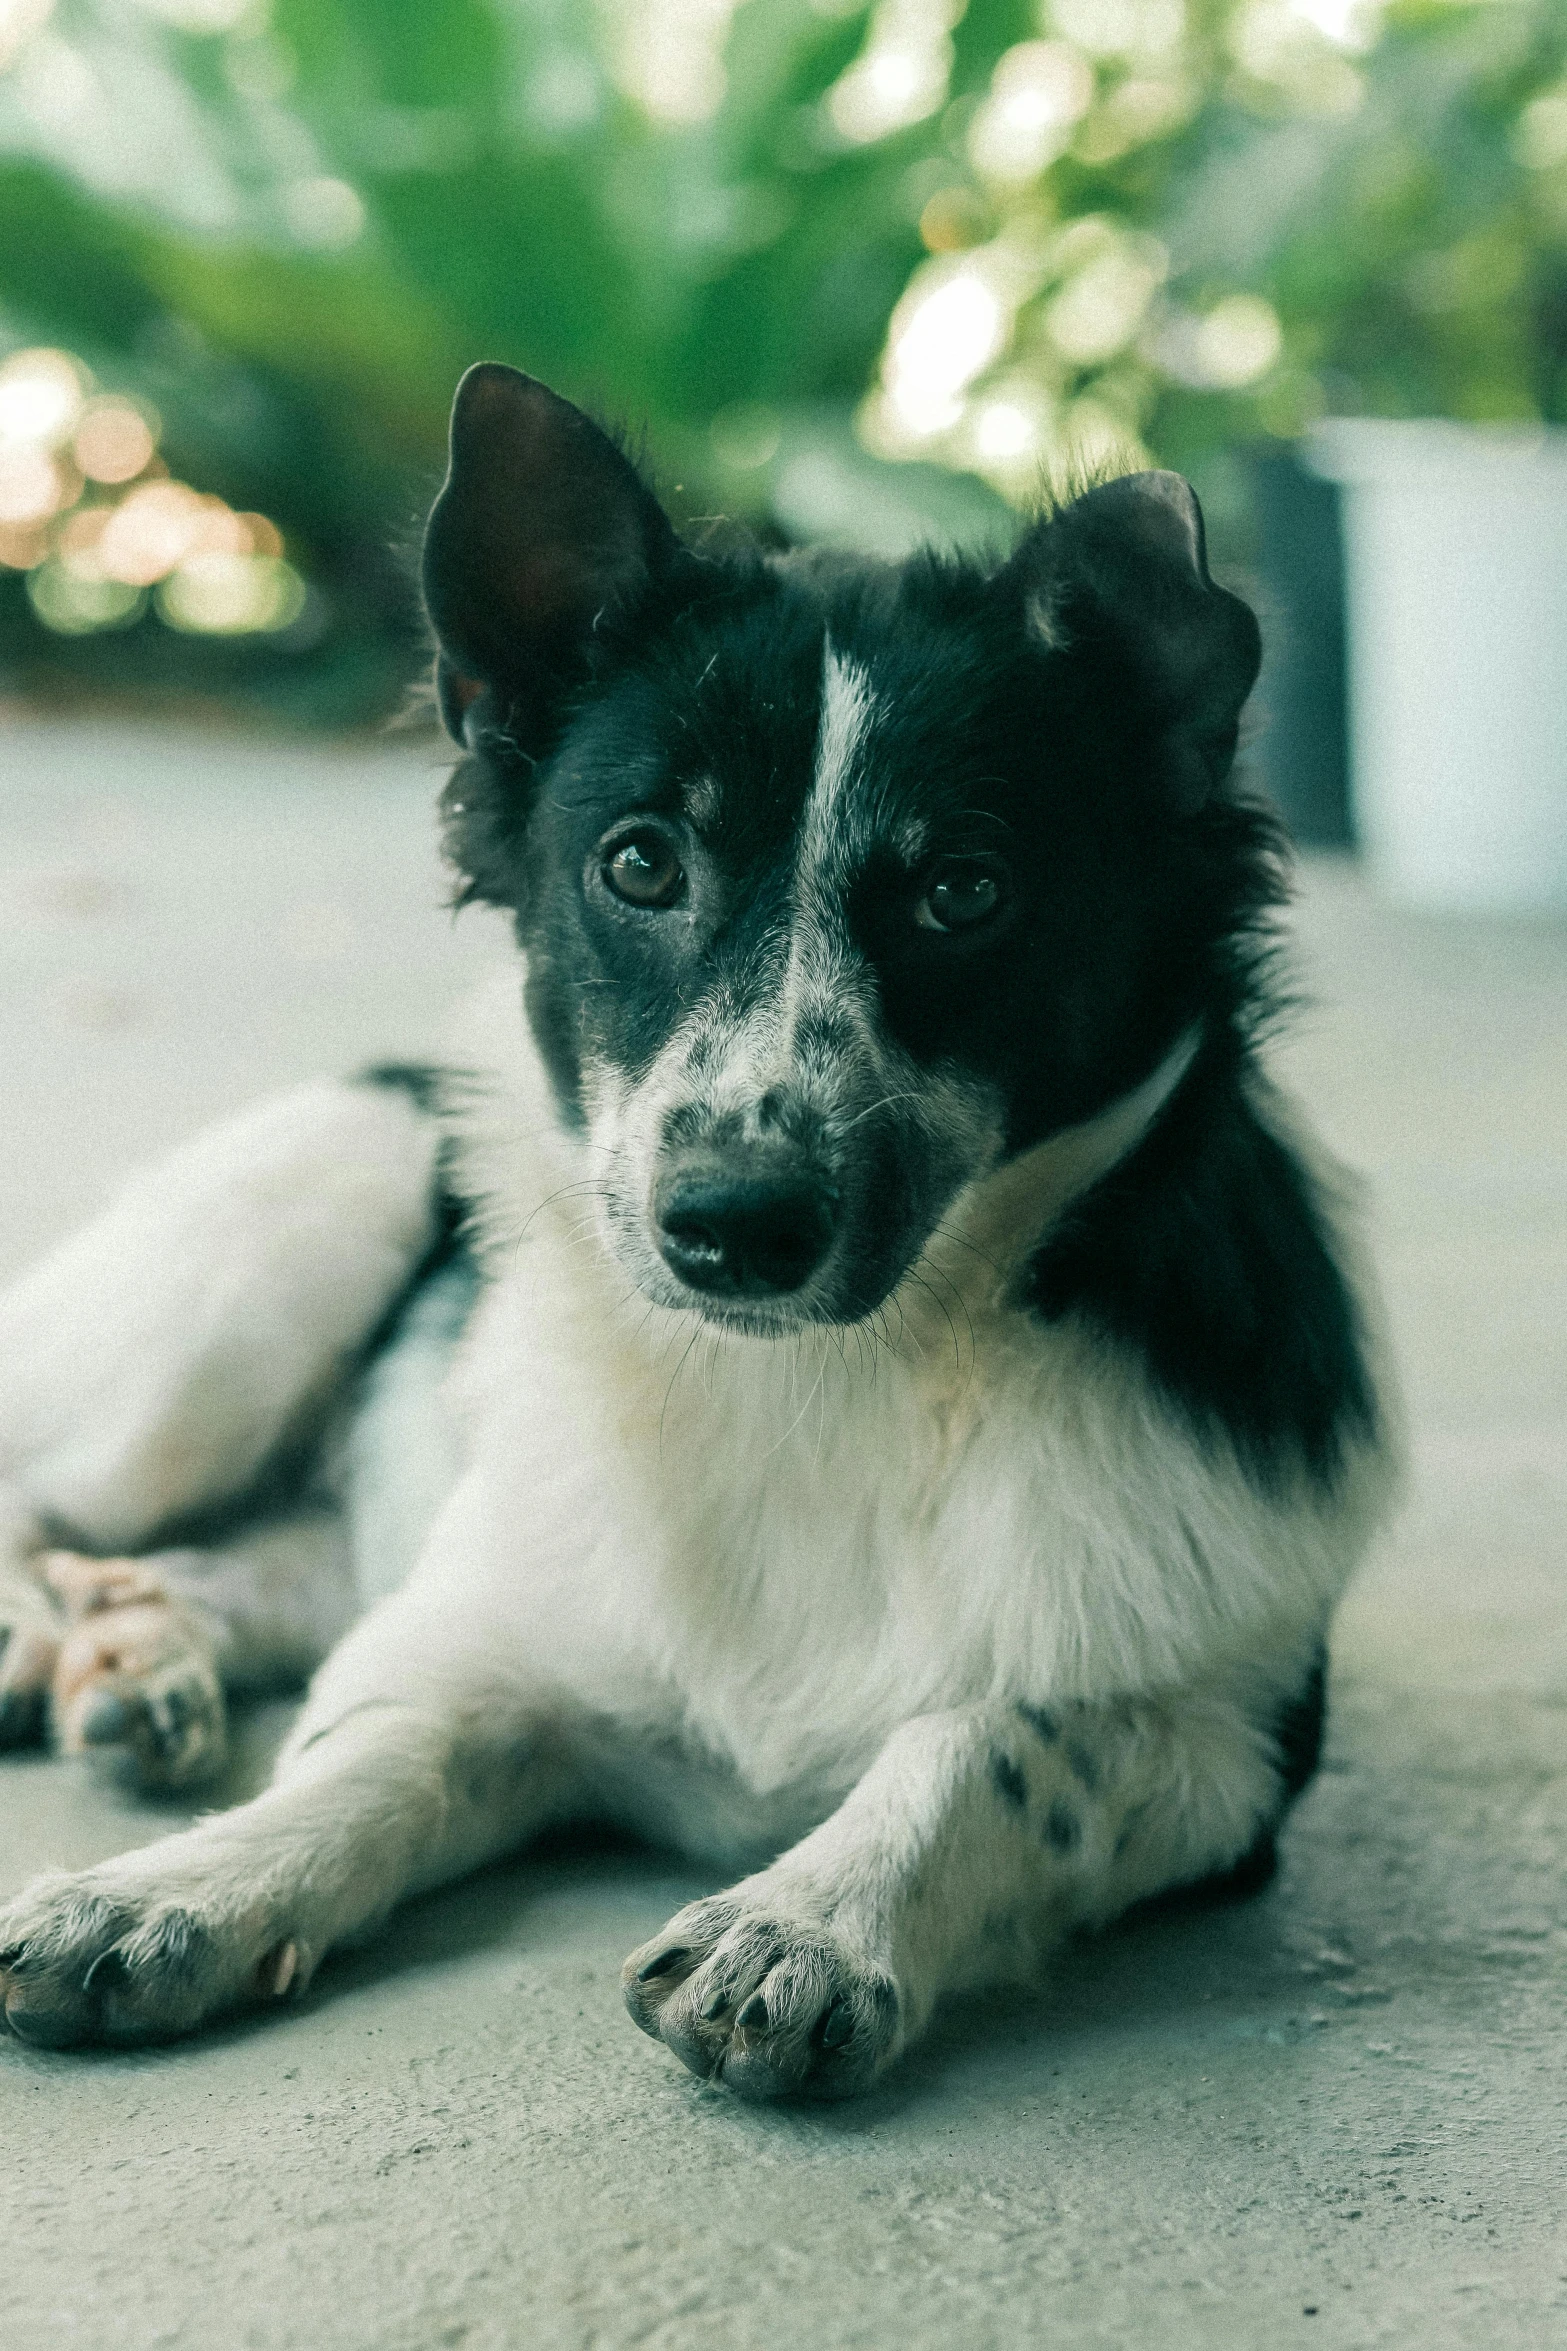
{"type": "Point", "coordinates": [754, 1226]}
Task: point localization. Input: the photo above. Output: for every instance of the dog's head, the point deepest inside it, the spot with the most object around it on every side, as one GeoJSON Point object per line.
{"type": "Point", "coordinates": [838, 882]}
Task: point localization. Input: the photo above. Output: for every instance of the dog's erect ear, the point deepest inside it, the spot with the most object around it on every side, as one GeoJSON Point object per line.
{"type": "Point", "coordinates": [542, 527]}
{"type": "Point", "coordinates": [1124, 570]}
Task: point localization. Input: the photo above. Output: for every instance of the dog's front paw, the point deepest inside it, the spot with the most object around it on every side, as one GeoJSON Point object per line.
{"type": "Point", "coordinates": [121, 1954]}
{"type": "Point", "coordinates": [772, 2005]}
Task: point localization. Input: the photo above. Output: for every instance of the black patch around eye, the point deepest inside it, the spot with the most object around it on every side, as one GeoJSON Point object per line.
{"type": "Point", "coordinates": [644, 871]}
{"type": "Point", "coordinates": [961, 893]}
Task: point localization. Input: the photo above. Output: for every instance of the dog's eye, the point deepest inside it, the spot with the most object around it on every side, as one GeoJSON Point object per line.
{"type": "Point", "coordinates": [961, 893]}
{"type": "Point", "coordinates": [644, 871]}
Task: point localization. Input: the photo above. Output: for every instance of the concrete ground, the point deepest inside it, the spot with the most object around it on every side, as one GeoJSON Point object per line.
{"type": "Point", "coordinates": [1334, 2116]}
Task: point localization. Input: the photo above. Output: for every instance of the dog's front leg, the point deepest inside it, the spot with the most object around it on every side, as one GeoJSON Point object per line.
{"type": "Point", "coordinates": [976, 1840]}
{"type": "Point", "coordinates": [415, 1761]}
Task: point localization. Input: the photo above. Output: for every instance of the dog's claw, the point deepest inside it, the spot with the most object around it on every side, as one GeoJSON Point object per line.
{"type": "Point", "coordinates": [837, 2026]}
{"type": "Point", "coordinates": [107, 1972]}
{"type": "Point", "coordinates": [279, 1970]}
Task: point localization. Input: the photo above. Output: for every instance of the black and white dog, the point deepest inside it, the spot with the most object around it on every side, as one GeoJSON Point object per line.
{"type": "Point", "coordinates": [859, 1380]}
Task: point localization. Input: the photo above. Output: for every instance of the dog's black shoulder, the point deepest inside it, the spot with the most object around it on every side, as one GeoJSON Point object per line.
{"type": "Point", "coordinates": [1207, 1251]}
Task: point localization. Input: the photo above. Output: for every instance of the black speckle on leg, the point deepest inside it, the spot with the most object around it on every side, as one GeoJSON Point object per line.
{"type": "Point", "coordinates": [1008, 1781]}
{"type": "Point", "coordinates": [1063, 1830]}
{"type": "Point", "coordinates": [1084, 1764]}
{"type": "Point", "coordinates": [1040, 1721]}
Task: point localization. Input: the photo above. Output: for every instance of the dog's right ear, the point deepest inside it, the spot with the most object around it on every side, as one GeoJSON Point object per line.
{"type": "Point", "coordinates": [1124, 569]}
{"type": "Point", "coordinates": [542, 531]}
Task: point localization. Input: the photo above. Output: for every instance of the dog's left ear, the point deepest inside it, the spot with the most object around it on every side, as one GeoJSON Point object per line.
{"type": "Point", "coordinates": [542, 530]}
{"type": "Point", "coordinates": [1123, 570]}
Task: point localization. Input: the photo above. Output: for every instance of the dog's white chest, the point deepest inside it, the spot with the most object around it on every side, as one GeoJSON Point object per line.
{"type": "Point", "coordinates": [779, 1554]}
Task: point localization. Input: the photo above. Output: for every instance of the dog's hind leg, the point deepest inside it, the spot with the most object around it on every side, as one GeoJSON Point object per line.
{"type": "Point", "coordinates": [160, 1362]}
{"type": "Point", "coordinates": [150, 1645]}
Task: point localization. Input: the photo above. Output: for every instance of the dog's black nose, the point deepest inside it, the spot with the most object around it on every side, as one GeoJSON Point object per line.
{"type": "Point", "coordinates": [745, 1235]}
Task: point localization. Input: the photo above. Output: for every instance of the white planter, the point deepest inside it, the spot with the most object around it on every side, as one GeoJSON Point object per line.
{"type": "Point", "coordinates": [1455, 542]}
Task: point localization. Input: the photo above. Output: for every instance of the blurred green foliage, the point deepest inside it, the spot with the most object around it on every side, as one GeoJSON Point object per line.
{"type": "Point", "coordinates": [289, 228]}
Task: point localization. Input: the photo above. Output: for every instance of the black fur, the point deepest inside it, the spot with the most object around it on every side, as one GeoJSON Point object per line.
{"type": "Point", "coordinates": [1133, 913]}
{"type": "Point", "coordinates": [1072, 711]}
{"type": "Point", "coordinates": [1063, 1829]}
{"type": "Point", "coordinates": [1206, 1251]}
{"type": "Point", "coordinates": [419, 1080]}
{"type": "Point", "coordinates": [1296, 1735]}
{"type": "Point", "coordinates": [1300, 1727]}
{"type": "Point", "coordinates": [428, 1087]}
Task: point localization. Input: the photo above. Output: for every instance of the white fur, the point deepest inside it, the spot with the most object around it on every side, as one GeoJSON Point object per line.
{"type": "Point", "coordinates": [831, 1534]}
{"type": "Point", "coordinates": [735, 1591]}
{"type": "Point", "coordinates": [153, 1364]}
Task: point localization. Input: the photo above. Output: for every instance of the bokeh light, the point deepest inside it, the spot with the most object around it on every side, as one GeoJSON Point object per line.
{"type": "Point", "coordinates": [74, 606]}
{"type": "Point", "coordinates": [1190, 226]}
{"type": "Point", "coordinates": [1100, 308]}
{"type": "Point", "coordinates": [199, 16]}
{"type": "Point", "coordinates": [901, 75]}
{"type": "Point", "coordinates": [1121, 28]}
{"type": "Point", "coordinates": [40, 397]}
{"type": "Point", "coordinates": [19, 21]}
{"type": "Point", "coordinates": [950, 324]}
{"type": "Point", "coordinates": [1039, 91]}
{"type": "Point", "coordinates": [1279, 45]}
{"type": "Point", "coordinates": [89, 512]}
{"type": "Point", "coordinates": [22, 544]}
{"type": "Point", "coordinates": [326, 213]}
{"type": "Point", "coordinates": [1540, 137]}
{"type": "Point", "coordinates": [219, 594]}
{"type": "Point", "coordinates": [32, 485]}
{"type": "Point", "coordinates": [158, 525]}
{"type": "Point", "coordinates": [669, 58]}
{"type": "Point", "coordinates": [114, 441]}
{"type": "Point", "coordinates": [1232, 345]}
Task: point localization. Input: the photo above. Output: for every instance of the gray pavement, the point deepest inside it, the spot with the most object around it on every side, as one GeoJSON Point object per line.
{"type": "Point", "coordinates": [1334, 2116]}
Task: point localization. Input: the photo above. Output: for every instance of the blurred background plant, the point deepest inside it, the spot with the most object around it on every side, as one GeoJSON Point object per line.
{"type": "Point", "coordinates": [858, 272]}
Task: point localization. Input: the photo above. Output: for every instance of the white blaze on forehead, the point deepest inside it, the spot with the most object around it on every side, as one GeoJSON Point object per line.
{"type": "Point", "coordinates": [846, 712]}
{"type": "Point", "coordinates": [814, 969]}
{"type": "Point", "coordinates": [847, 707]}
